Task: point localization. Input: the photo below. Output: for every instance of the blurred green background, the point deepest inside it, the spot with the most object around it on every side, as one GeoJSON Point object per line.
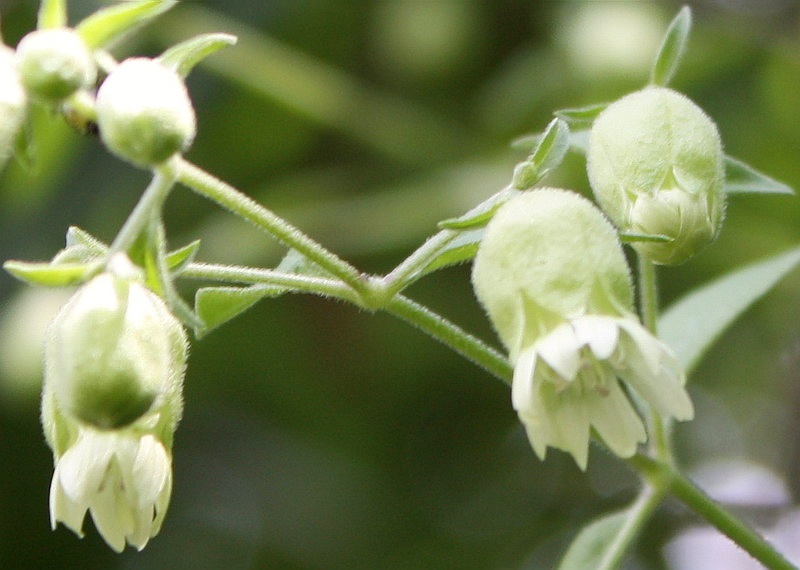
{"type": "Point", "coordinates": [319, 437]}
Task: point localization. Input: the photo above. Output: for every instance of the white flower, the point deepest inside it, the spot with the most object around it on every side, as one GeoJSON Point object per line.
{"type": "Point", "coordinates": [569, 381]}
{"type": "Point", "coordinates": [122, 478]}
{"type": "Point", "coordinates": [552, 276]}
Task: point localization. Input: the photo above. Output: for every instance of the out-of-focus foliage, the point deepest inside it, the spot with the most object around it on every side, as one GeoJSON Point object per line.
{"type": "Point", "coordinates": [318, 437]}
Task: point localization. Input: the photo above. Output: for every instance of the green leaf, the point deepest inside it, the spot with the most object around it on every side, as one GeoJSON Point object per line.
{"type": "Point", "coordinates": [51, 275]}
{"type": "Point", "coordinates": [547, 155]}
{"type": "Point", "coordinates": [52, 14]}
{"type": "Point", "coordinates": [589, 547]}
{"type": "Point", "coordinates": [109, 24]}
{"type": "Point", "coordinates": [630, 237]}
{"type": "Point", "coordinates": [480, 215]}
{"type": "Point", "coordinates": [217, 305]}
{"type": "Point", "coordinates": [177, 260]}
{"type": "Point", "coordinates": [461, 249]}
{"type": "Point", "coordinates": [185, 55]}
{"type": "Point", "coordinates": [581, 117]}
{"type": "Point", "coordinates": [77, 236]}
{"type": "Point", "coordinates": [741, 178]}
{"type": "Point", "coordinates": [672, 48]}
{"type": "Point", "coordinates": [691, 325]}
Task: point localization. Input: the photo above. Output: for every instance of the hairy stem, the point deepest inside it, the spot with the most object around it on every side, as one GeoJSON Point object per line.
{"type": "Point", "coordinates": [241, 205]}
{"type": "Point", "coordinates": [738, 531]}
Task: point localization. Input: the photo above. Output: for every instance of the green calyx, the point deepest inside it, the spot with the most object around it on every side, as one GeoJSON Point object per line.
{"type": "Point", "coordinates": [549, 255]}
{"type": "Point", "coordinates": [114, 353]}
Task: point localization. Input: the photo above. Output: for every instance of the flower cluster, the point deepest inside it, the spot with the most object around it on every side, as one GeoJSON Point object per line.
{"type": "Point", "coordinates": [143, 110]}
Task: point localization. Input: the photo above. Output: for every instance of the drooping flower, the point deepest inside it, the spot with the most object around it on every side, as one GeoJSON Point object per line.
{"type": "Point", "coordinates": [114, 364]}
{"type": "Point", "coordinates": [552, 277]}
{"type": "Point", "coordinates": [656, 167]}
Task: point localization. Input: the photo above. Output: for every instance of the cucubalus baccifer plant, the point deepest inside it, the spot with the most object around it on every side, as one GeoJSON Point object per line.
{"type": "Point", "coordinates": [588, 356]}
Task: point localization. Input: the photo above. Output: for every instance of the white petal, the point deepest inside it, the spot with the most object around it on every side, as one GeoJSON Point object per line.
{"type": "Point", "coordinates": [664, 390]}
{"type": "Point", "coordinates": [142, 527]}
{"type": "Point", "coordinates": [522, 387]}
{"type": "Point", "coordinates": [149, 472]}
{"type": "Point", "coordinates": [560, 349]}
{"type": "Point", "coordinates": [615, 420]}
{"type": "Point", "coordinates": [64, 509]}
{"type": "Point", "coordinates": [82, 468]}
{"type": "Point", "coordinates": [570, 424]}
{"type": "Point", "coordinates": [599, 333]}
{"type": "Point", "coordinates": [111, 511]}
{"type": "Point", "coordinates": [648, 346]}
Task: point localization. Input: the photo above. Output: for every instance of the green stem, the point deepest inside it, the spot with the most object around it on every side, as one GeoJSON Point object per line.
{"type": "Point", "coordinates": [648, 294]}
{"type": "Point", "coordinates": [401, 307]}
{"type": "Point", "coordinates": [151, 201]}
{"type": "Point", "coordinates": [241, 205]}
{"type": "Point", "coordinates": [648, 307]}
{"type": "Point", "coordinates": [696, 499]}
{"type": "Point", "coordinates": [255, 276]}
{"type": "Point", "coordinates": [451, 335]}
{"type": "Point", "coordinates": [638, 514]}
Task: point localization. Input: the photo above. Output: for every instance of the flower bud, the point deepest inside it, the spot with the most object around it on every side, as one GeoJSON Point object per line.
{"type": "Point", "coordinates": [13, 103]}
{"type": "Point", "coordinates": [552, 251]}
{"type": "Point", "coordinates": [55, 63]}
{"type": "Point", "coordinates": [114, 351]}
{"type": "Point", "coordinates": [656, 167]}
{"type": "Point", "coordinates": [144, 112]}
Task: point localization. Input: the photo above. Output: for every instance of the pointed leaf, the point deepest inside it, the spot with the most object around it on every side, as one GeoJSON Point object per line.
{"type": "Point", "coordinates": [217, 305]}
{"type": "Point", "coordinates": [109, 24]}
{"type": "Point", "coordinates": [691, 325]}
{"type": "Point", "coordinates": [461, 249]}
{"type": "Point", "coordinates": [546, 155]}
{"type": "Point", "coordinates": [77, 236]}
{"type": "Point", "coordinates": [50, 275]}
{"type": "Point", "coordinates": [672, 48]}
{"type": "Point", "coordinates": [52, 14]}
{"type": "Point", "coordinates": [630, 237]}
{"type": "Point", "coordinates": [177, 260]}
{"type": "Point", "coordinates": [184, 56]}
{"type": "Point", "coordinates": [480, 215]}
{"type": "Point", "coordinates": [741, 178]}
{"type": "Point", "coordinates": [581, 117]}
{"type": "Point", "coordinates": [589, 547]}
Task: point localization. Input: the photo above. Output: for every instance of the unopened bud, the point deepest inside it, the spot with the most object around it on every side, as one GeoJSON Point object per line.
{"type": "Point", "coordinates": [144, 112]}
{"type": "Point", "coordinates": [55, 63]}
{"type": "Point", "coordinates": [112, 352]}
{"type": "Point", "coordinates": [656, 167]}
{"type": "Point", "coordinates": [13, 103]}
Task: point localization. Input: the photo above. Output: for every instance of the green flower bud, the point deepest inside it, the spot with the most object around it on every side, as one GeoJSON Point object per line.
{"type": "Point", "coordinates": [656, 167]}
{"type": "Point", "coordinates": [13, 103]}
{"type": "Point", "coordinates": [144, 112]}
{"type": "Point", "coordinates": [55, 63]}
{"type": "Point", "coordinates": [552, 276]}
{"type": "Point", "coordinates": [113, 353]}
